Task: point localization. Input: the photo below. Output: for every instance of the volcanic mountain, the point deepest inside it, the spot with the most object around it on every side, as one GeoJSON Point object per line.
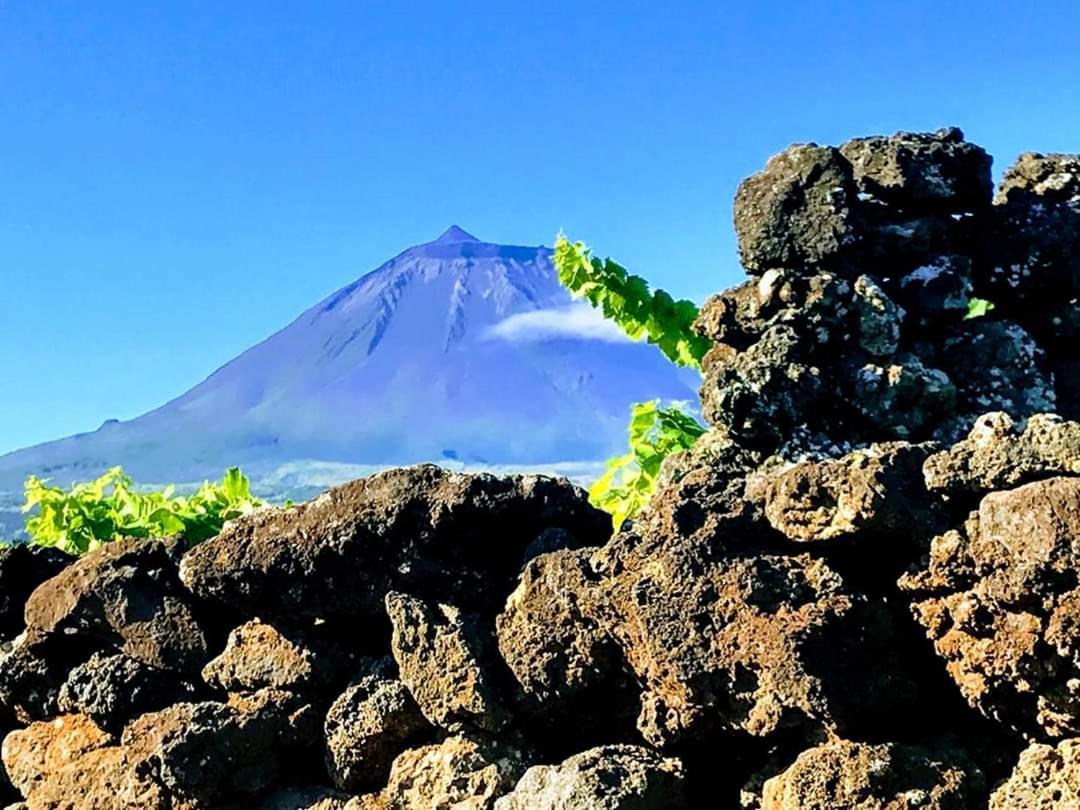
{"type": "Point", "coordinates": [456, 350]}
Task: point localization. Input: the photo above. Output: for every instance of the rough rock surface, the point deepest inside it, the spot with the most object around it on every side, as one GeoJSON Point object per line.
{"type": "Point", "coordinates": [459, 772]}
{"type": "Point", "coordinates": [23, 568]}
{"type": "Point", "coordinates": [843, 774]}
{"type": "Point", "coordinates": [127, 595]}
{"type": "Point", "coordinates": [858, 589]}
{"type": "Point", "coordinates": [373, 721]}
{"type": "Point", "coordinates": [618, 777]}
{"type": "Point", "coordinates": [1046, 778]}
{"type": "Point", "coordinates": [444, 659]}
{"type": "Point", "coordinates": [1000, 601]}
{"type": "Point", "coordinates": [113, 690]}
{"type": "Point", "coordinates": [422, 530]}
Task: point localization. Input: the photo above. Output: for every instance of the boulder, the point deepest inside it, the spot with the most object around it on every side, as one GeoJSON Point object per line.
{"type": "Point", "coordinates": [999, 453]}
{"type": "Point", "coordinates": [258, 656]}
{"type": "Point", "coordinates": [125, 596]}
{"type": "Point", "coordinates": [1047, 777]}
{"type": "Point", "coordinates": [112, 690]}
{"type": "Point", "coordinates": [877, 491]}
{"type": "Point", "coordinates": [842, 775]}
{"type": "Point", "coordinates": [613, 777]}
{"type": "Point", "coordinates": [373, 721]}
{"type": "Point", "coordinates": [800, 211]}
{"type": "Point", "coordinates": [460, 772]}
{"type": "Point", "coordinates": [1000, 602]}
{"type": "Point", "coordinates": [446, 659]}
{"type": "Point", "coordinates": [306, 798]}
{"type": "Point", "coordinates": [445, 536]}
{"type": "Point", "coordinates": [22, 568]}
{"type": "Point", "coordinates": [922, 172]}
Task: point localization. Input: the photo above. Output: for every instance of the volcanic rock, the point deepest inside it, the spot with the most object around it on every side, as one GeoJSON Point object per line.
{"type": "Point", "coordinates": [446, 536]}
{"type": "Point", "coordinates": [125, 595]}
{"type": "Point", "coordinates": [614, 777]}
{"type": "Point", "coordinates": [368, 726]}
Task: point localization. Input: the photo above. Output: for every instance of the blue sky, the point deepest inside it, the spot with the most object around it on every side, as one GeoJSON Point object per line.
{"type": "Point", "coordinates": [179, 180]}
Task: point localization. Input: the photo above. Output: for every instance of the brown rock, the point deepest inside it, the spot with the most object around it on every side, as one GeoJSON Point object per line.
{"type": "Point", "coordinates": [444, 536]}
{"type": "Point", "coordinates": [22, 568]}
{"type": "Point", "coordinates": [878, 490]}
{"type": "Point", "coordinates": [445, 659]}
{"type": "Point", "coordinates": [1046, 778]}
{"type": "Point", "coordinates": [373, 721]}
{"type": "Point", "coordinates": [844, 775]}
{"type": "Point", "coordinates": [126, 595]}
{"type": "Point", "coordinates": [1000, 602]}
{"type": "Point", "coordinates": [937, 172]}
{"type": "Point", "coordinates": [998, 455]}
{"type": "Point", "coordinates": [32, 754]}
{"type": "Point", "coordinates": [460, 772]}
{"type": "Point", "coordinates": [798, 212]}
{"type": "Point", "coordinates": [613, 777]}
{"type": "Point", "coordinates": [259, 656]}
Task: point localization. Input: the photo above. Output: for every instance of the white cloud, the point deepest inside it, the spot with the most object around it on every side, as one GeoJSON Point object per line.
{"type": "Point", "coordinates": [577, 320]}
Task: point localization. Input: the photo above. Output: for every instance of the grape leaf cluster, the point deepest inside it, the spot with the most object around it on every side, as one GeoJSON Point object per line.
{"type": "Point", "coordinates": [631, 480]}
{"type": "Point", "coordinates": [627, 301]}
{"type": "Point", "coordinates": [94, 513]}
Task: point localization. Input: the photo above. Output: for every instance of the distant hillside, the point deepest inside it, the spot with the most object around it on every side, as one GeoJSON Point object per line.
{"type": "Point", "coordinates": [455, 350]}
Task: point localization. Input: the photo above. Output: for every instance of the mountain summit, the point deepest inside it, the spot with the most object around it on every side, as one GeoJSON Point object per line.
{"type": "Point", "coordinates": [454, 349]}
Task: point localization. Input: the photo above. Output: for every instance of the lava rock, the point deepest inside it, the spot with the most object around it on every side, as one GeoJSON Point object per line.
{"type": "Point", "coordinates": [800, 211]}
{"type": "Point", "coordinates": [125, 595]}
{"type": "Point", "coordinates": [998, 454]}
{"type": "Point", "coordinates": [1000, 602]}
{"type": "Point", "coordinates": [840, 775]}
{"type": "Point", "coordinates": [1046, 778]}
{"type": "Point", "coordinates": [446, 659]}
{"type": "Point", "coordinates": [368, 726]}
{"type": "Point", "coordinates": [445, 536]}
{"type": "Point", "coordinates": [458, 772]}
{"type": "Point", "coordinates": [113, 690]}
{"type": "Point", "coordinates": [258, 656]}
{"type": "Point", "coordinates": [874, 491]}
{"type": "Point", "coordinates": [935, 172]}
{"type": "Point", "coordinates": [22, 569]}
{"type": "Point", "coordinates": [306, 798]}
{"type": "Point", "coordinates": [613, 777]}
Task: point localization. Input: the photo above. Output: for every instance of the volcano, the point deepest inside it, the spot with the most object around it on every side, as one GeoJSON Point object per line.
{"type": "Point", "coordinates": [456, 350]}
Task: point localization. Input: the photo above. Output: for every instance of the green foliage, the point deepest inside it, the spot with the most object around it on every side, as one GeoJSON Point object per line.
{"type": "Point", "coordinates": [630, 480]}
{"type": "Point", "coordinates": [626, 300]}
{"type": "Point", "coordinates": [978, 307]}
{"type": "Point", "coordinates": [94, 513]}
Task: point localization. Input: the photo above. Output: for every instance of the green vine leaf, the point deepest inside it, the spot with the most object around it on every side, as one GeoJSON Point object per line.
{"type": "Point", "coordinates": [627, 301]}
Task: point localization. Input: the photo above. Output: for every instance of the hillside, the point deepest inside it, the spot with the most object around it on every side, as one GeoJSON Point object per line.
{"type": "Point", "coordinates": [456, 350]}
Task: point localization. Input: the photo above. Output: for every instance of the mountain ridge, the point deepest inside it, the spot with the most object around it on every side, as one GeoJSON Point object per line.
{"type": "Point", "coordinates": [453, 349]}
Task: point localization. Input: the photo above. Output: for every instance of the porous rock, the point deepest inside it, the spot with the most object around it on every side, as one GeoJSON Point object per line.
{"type": "Point", "coordinates": [842, 775]}
{"type": "Point", "coordinates": [799, 211]}
{"type": "Point", "coordinates": [879, 490]}
{"type": "Point", "coordinates": [1047, 777]}
{"type": "Point", "coordinates": [373, 721]}
{"type": "Point", "coordinates": [999, 599]}
{"type": "Point", "coordinates": [613, 777]}
{"type": "Point", "coordinates": [259, 656]}
{"type": "Point", "coordinates": [447, 536]}
{"type": "Point", "coordinates": [22, 568]}
{"type": "Point", "coordinates": [111, 690]}
{"type": "Point", "coordinates": [936, 172]}
{"type": "Point", "coordinates": [998, 454]}
{"type": "Point", "coordinates": [446, 658]}
{"type": "Point", "coordinates": [460, 772]}
{"type": "Point", "coordinates": [127, 596]}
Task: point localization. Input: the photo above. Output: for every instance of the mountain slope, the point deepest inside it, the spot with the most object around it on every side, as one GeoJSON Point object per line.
{"type": "Point", "coordinates": [456, 348]}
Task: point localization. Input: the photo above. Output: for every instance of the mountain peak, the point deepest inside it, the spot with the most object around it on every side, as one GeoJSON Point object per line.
{"type": "Point", "coordinates": [455, 234]}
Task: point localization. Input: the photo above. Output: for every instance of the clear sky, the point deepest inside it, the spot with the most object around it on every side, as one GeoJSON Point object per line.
{"type": "Point", "coordinates": [178, 180]}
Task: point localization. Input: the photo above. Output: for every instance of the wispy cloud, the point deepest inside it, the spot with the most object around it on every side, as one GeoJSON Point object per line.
{"type": "Point", "coordinates": [578, 320]}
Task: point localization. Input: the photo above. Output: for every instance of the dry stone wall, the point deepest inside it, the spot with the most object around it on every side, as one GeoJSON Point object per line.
{"type": "Point", "coordinates": [860, 589]}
